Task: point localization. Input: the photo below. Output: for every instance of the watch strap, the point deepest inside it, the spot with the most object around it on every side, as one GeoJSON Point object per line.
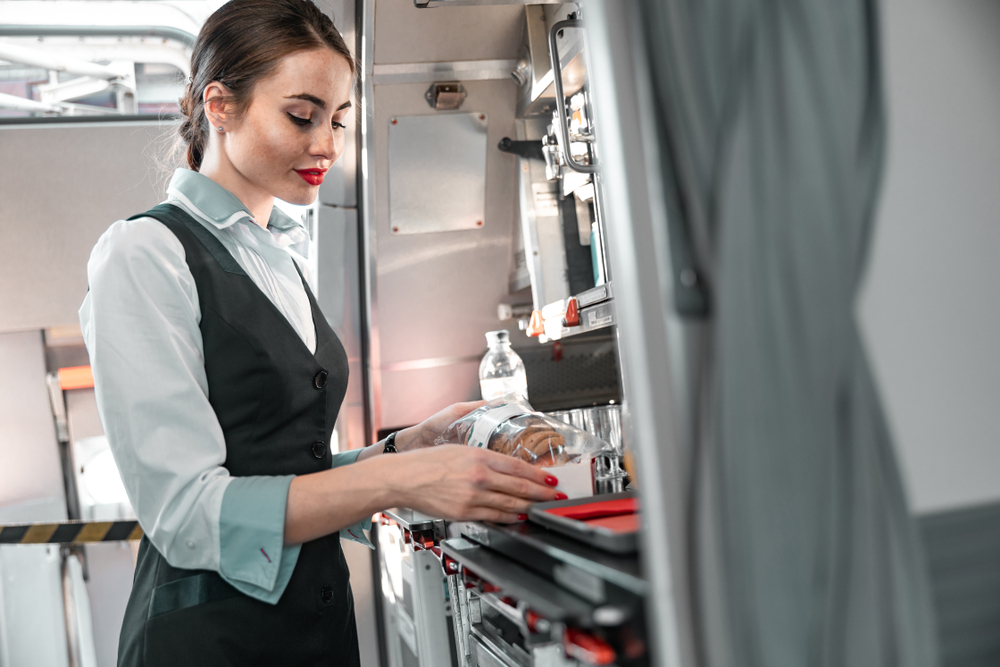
{"type": "Point", "coordinates": [390, 444]}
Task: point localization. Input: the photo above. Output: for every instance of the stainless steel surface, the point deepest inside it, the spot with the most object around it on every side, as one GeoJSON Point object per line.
{"type": "Point", "coordinates": [371, 349]}
{"type": "Point", "coordinates": [463, 70]}
{"type": "Point", "coordinates": [541, 227]}
{"type": "Point", "coordinates": [40, 30]}
{"type": "Point", "coordinates": [340, 187]}
{"type": "Point", "coordinates": [436, 294]}
{"type": "Point", "coordinates": [437, 173]}
{"type": "Point", "coordinates": [406, 34]}
{"type": "Point", "coordinates": [436, 362]}
{"type": "Point", "coordinates": [551, 601]}
{"type": "Point", "coordinates": [72, 623]}
{"type": "Point", "coordinates": [411, 519]}
{"type": "Point", "coordinates": [563, 129]}
{"type": "Point", "coordinates": [115, 175]}
{"type": "Point", "coordinates": [603, 421]}
{"type": "Point", "coordinates": [636, 229]}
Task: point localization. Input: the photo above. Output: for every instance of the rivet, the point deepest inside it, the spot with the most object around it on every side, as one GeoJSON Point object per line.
{"type": "Point", "coordinates": [394, 121]}
{"type": "Point", "coordinates": [482, 116]}
{"type": "Point", "coordinates": [395, 230]}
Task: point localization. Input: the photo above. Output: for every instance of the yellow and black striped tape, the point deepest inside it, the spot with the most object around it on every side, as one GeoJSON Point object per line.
{"type": "Point", "coordinates": [70, 532]}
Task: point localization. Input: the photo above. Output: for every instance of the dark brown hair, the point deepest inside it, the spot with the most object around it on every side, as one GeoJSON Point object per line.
{"type": "Point", "coordinates": [242, 43]}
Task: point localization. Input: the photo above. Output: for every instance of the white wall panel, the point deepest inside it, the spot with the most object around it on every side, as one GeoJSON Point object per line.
{"type": "Point", "coordinates": [30, 469]}
{"type": "Point", "coordinates": [60, 188]}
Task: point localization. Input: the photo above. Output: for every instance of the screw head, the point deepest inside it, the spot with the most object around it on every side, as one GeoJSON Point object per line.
{"type": "Point", "coordinates": [395, 229]}
{"type": "Point", "coordinates": [482, 116]}
{"type": "Point", "coordinates": [394, 121]}
{"type": "Point", "coordinates": [479, 223]}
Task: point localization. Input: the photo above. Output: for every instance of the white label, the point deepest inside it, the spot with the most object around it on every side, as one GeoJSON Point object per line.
{"type": "Point", "coordinates": [576, 480]}
{"type": "Point", "coordinates": [595, 320]}
{"type": "Point", "coordinates": [488, 422]}
{"type": "Point", "coordinates": [499, 387]}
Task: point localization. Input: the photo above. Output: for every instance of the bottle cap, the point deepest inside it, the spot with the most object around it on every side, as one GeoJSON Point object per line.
{"type": "Point", "coordinates": [494, 337]}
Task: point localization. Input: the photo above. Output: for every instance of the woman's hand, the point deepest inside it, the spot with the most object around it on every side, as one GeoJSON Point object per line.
{"type": "Point", "coordinates": [461, 483]}
{"type": "Point", "coordinates": [425, 433]}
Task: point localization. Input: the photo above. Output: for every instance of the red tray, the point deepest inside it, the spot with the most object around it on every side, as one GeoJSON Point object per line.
{"type": "Point", "coordinates": [610, 522]}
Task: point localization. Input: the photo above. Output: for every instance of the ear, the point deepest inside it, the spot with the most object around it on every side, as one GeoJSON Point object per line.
{"type": "Point", "coordinates": [215, 99]}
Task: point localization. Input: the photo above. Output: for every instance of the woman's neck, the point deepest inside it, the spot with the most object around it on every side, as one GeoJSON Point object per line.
{"type": "Point", "coordinates": [225, 174]}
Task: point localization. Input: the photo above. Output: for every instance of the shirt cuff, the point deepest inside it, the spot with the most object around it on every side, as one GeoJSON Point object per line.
{"type": "Point", "coordinates": [355, 533]}
{"type": "Point", "coordinates": [253, 557]}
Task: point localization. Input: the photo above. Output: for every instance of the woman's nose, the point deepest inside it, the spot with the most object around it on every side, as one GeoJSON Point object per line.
{"type": "Point", "coordinates": [325, 145]}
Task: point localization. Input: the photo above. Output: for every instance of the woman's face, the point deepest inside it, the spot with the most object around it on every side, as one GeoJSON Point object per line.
{"type": "Point", "coordinates": [293, 129]}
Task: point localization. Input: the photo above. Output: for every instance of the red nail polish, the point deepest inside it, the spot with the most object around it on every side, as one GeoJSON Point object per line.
{"type": "Point", "coordinates": [522, 517]}
{"type": "Point", "coordinates": [561, 496]}
{"type": "Point", "coordinates": [551, 481]}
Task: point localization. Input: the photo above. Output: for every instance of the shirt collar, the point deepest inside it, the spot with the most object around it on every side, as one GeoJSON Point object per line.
{"type": "Point", "coordinates": [221, 208]}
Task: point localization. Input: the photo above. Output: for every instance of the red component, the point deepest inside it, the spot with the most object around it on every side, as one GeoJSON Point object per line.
{"type": "Point", "coordinates": [450, 565]}
{"type": "Point", "coordinates": [406, 536]}
{"type": "Point", "coordinates": [536, 327]}
{"type": "Point", "coordinates": [557, 350]}
{"type": "Point", "coordinates": [437, 551]}
{"type": "Point", "coordinates": [490, 588]}
{"type": "Point", "coordinates": [76, 377]}
{"type": "Point", "coordinates": [587, 648]}
{"type": "Point", "coordinates": [572, 317]}
{"type": "Point", "coordinates": [509, 601]}
{"type": "Point", "coordinates": [532, 618]}
{"type": "Point", "coordinates": [597, 509]}
{"type": "Point", "coordinates": [470, 576]}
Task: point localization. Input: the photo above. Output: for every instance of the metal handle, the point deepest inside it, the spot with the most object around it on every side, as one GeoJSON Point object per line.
{"type": "Point", "coordinates": [561, 97]}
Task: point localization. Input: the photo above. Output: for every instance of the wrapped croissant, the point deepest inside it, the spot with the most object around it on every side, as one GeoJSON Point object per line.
{"type": "Point", "coordinates": [509, 425]}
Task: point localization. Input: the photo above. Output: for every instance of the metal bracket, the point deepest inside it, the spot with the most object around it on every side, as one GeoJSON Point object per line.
{"type": "Point", "coordinates": [531, 150]}
{"type": "Point", "coordinates": [445, 96]}
{"type": "Point", "coordinates": [563, 130]}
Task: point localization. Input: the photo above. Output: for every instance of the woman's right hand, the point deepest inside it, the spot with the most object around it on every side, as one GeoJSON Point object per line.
{"type": "Point", "coordinates": [460, 483]}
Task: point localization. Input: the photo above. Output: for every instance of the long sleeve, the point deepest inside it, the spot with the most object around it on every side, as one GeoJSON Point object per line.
{"type": "Point", "coordinates": [140, 322]}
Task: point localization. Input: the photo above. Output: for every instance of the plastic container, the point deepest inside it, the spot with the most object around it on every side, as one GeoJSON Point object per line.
{"type": "Point", "coordinates": [501, 371]}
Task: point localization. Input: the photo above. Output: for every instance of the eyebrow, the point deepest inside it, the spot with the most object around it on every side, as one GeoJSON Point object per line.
{"type": "Point", "coordinates": [317, 101]}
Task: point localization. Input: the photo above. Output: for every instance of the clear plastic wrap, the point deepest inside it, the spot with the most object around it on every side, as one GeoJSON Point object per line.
{"type": "Point", "coordinates": [509, 425]}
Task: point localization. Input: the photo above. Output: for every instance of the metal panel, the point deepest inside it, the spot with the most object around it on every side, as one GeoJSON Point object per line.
{"type": "Point", "coordinates": [433, 296]}
{"type": "Point", "coordinates": [405, 34]}
{"type": "Point", "coordinates": [340, 187]}
{"type": "Point", "coordinates": [465, 70]}
{"type": "Point", "coordinates": [117, 170]}
{"type": "Point", "coordinates": [437, 172]}
{"type": "Point", "coordinates": [30, 467]}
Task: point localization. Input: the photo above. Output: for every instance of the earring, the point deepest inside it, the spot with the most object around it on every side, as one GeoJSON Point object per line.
{"type": "Point", "coordinates": [219, 128]}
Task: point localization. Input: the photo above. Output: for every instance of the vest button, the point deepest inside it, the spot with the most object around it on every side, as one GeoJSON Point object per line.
{"type": "Point", "coordinates": [326, 593]}
{"type": "Point", "coordinates": [320, 379]}
{"type": "Point", "coordinates": [319, 449]}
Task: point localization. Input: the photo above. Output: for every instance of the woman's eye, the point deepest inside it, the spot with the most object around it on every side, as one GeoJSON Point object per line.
{"type": "Point", "coordinates": [339, 126]}
{"type": "Point", "coordinates": [299, 121]}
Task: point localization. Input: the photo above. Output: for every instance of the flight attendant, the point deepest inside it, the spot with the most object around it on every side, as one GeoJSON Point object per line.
{"type": "Point", "coordinates": [219, 380]}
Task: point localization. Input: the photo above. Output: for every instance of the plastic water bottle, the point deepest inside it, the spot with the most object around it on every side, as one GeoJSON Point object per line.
{"type": "Point", "coordinates": [501, 371]}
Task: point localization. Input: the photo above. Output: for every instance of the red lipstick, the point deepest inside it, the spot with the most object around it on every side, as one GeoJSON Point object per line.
{"type": "Point", "coordinates": [312, 176]}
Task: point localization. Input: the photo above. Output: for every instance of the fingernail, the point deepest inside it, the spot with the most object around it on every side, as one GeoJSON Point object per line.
{"type": "Point", "coordinates": [561, 496]}
{"type": "Point", "coordinates": [551, 481]}
{"type": "Point", "coordinates": [522, 517]}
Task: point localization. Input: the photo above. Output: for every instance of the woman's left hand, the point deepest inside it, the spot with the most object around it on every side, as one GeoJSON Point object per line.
{"type": "Point", "coordinates": [425, 433]}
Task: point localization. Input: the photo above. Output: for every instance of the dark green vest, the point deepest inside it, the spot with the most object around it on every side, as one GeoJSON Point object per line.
{"type": "Point", "coordinates": [277, 404]}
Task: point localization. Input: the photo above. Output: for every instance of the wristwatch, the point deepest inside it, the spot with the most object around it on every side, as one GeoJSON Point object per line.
{"type": "Point", "coordinates": [390, 444]}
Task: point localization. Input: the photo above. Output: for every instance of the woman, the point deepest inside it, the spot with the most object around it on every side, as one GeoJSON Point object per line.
{"type": "Point", "coordinates": [219, 381]}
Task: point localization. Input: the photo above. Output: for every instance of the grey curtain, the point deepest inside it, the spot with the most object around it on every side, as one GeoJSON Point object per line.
{"type": "Point", "coordinates": [772, 137]}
